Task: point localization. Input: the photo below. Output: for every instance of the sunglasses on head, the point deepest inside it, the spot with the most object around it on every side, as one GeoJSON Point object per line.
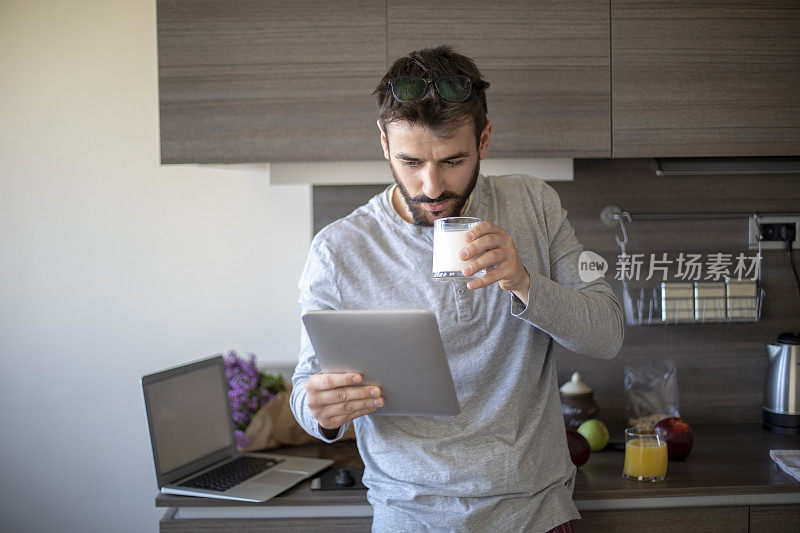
{"type": "Point", "coordinates": [410, 88]}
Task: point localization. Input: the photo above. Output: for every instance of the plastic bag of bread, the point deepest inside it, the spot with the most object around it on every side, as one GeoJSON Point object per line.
{"type": "Point", "coordinates": [651, 392]}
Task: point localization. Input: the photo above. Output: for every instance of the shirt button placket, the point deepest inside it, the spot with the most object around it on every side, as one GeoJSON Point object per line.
{"type": "Point", "coordinates": [462, 306]}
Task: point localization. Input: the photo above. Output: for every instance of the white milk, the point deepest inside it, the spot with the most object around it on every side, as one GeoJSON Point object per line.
{"type": "Point", "coordinates": [446, 245]}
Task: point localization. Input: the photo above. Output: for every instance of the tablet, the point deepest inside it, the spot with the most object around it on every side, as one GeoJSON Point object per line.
{"type": "Point", "coordinates": [400, 351]}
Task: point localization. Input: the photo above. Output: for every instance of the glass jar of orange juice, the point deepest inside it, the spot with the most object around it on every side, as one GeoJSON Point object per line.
{"type": "Point", "coordinates": [645, 455]}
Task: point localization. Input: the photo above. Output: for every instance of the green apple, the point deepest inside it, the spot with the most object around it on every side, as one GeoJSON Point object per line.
{"type": "Point", "coordinates": [595, 432]}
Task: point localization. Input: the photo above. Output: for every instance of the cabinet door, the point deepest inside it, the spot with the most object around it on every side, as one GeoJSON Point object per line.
{"type": "Point", "coordinates": [345, 524]}
{"type": "Point", "coordinates": [703, 78]}
{"type": "Point", "coordinates": [676, 520]}
{"type": "Point", "coordinates": [244, 81]}
{"type": "Point", "coordinates": [769, 518]}
{"type": "Point", "coordinates": [547, 61]}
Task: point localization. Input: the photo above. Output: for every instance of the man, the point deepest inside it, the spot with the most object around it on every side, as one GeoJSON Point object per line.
{"type": "Point", "coordinates": [503, 462]}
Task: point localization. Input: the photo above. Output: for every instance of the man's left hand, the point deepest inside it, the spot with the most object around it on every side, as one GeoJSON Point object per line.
{"type": "Point", "coordinates": [494, 250]}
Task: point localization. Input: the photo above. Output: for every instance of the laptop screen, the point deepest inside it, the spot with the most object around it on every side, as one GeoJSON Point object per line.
{"type": "Point", "coordinates": [189, 416]}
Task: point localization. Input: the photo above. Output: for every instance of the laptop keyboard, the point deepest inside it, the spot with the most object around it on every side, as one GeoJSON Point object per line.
{"type": "Point", "coordinates": [230, 474]}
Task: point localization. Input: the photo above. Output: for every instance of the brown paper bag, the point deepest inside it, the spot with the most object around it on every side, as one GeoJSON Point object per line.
{"type": "Point", "coordinates": [274, 426]}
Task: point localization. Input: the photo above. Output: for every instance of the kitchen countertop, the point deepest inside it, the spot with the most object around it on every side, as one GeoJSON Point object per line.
{"type": "Point", "coordinates": [729, 465]}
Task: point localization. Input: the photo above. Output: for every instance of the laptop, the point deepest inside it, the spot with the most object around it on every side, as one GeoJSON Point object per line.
{"type": "Point", "coordinates": [192, 436]}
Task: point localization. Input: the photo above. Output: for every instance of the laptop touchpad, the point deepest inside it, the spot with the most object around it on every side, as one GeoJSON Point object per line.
{"type": "Point", "coordinates": [276, 477]}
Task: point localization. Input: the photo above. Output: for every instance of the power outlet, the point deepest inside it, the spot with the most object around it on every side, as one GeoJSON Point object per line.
{"type": "Point", "coordinates": [778, 232]}
{"type": "Point", "coordinates": [767, 230]}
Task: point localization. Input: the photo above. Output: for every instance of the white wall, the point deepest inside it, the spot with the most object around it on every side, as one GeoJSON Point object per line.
{"type": "Point", "coordinates": [112, 266]}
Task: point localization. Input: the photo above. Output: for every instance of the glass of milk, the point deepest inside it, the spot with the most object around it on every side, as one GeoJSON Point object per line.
{"type": "Point", "coordinates": [448, 240]}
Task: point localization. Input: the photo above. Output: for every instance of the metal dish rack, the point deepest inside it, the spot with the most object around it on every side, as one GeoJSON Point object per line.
{"type": "Point", "coordinates": [649, 306]}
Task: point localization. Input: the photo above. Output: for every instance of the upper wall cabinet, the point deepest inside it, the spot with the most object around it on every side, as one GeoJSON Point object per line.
{"type": "Point", "coordinates": [547, 61]}
{"type": "Point", "coordinates": [244, 81]}
{"type": "Point", "coordinates": [705, 78]}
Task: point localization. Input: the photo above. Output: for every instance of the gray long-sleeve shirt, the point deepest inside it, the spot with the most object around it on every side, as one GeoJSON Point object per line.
{"type": "Point", "coordinates": [503, 462]}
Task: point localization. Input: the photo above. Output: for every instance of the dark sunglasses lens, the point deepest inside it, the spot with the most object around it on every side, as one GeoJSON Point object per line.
{"type": "Point", "coordinates": [454, 88]}
{"type": "Point", "coordinates": [407, 88]}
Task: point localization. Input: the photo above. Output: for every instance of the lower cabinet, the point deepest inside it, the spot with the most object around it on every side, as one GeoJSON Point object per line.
{"type": "Point", "coordinates": [753, 519]}
{"type": "Point", "coordinates": [677, 519]}
{"type": "Point", "coordinates": [770, 518]}
{"type": "Point", "coordinates": [273, 525]}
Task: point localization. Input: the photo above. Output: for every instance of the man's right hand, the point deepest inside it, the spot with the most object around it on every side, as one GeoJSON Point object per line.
{"type": "Point", "coordinates": [335, 399]}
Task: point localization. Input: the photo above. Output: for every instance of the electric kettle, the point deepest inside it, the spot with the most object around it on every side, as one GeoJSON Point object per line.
{"type": "Point", "coordinates": [781, 408]}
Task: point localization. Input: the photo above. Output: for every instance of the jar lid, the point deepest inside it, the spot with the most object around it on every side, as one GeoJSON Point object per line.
{"type": "Point", "coordinates": [575, 386]}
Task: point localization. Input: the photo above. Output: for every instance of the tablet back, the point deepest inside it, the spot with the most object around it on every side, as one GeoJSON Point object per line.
{"type": "Point", "coordinates": [400, 351]}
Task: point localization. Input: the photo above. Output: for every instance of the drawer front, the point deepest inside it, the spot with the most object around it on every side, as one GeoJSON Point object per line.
{"type": "Point", "coordinates": [769, 518]}
{"type": "Point", "coordinates": [673, 520]}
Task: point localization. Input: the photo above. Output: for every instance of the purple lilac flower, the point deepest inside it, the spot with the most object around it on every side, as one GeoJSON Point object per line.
{"type": "Point", "coordinates": [248, 390]}
{"type": "Point", "coordinates": [241, 439]}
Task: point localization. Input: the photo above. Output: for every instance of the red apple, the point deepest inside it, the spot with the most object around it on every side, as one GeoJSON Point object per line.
{"type": "Point", "coordinates": [579, 449]}
{"type": "Point", "coordinates": [678, 435]}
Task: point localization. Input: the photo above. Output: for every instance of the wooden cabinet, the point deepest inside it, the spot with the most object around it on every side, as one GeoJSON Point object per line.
{"type": "Point", "coordinates": [243, 81]}
{"type": "Point", "coordinates": [752, 519]}
{"type": "Point", "coordinates": [272, 525]}
{"type": "Point", "coordinates": [675, 520]}
{"type": "Point", "coordinates": [291, 81]}
{"type": "Point", "coordinates": [771, 518]}
{"type": "Point", "coordinates": [547, 61]}
{"type": "Point", "coordinates": [734, 519]}
{"type": "Point", "coordinates": [704, 78]}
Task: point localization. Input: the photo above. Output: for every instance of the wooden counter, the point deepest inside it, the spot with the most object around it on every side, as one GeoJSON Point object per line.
{"type": "Point", "coordinates": [728, 473]}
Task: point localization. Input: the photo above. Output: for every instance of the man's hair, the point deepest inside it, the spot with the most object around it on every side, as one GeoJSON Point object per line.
{"type": "Point", "coordinates": [432, 111]}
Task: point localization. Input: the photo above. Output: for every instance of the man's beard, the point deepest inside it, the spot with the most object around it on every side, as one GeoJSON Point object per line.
{"type": "Point", "coordinates": [419, 214]}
